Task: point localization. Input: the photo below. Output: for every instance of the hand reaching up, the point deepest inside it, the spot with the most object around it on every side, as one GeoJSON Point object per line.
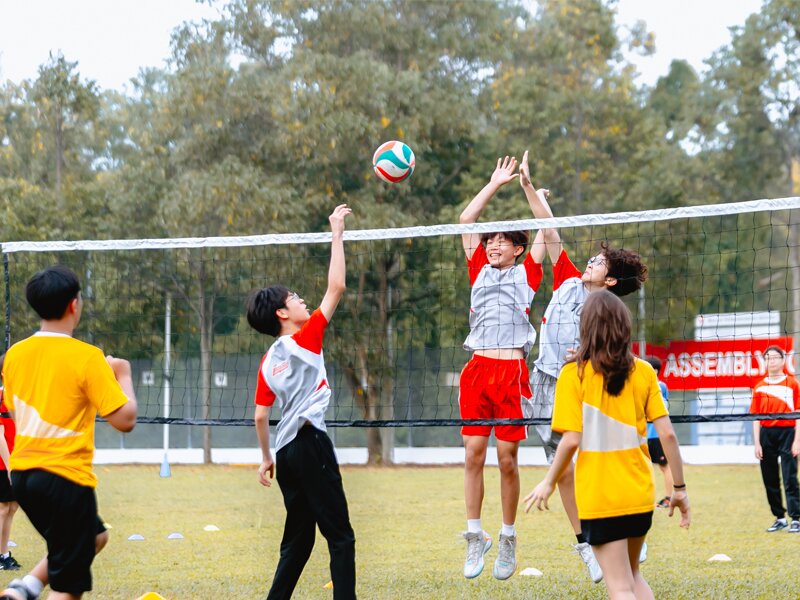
{"type": "Point", "coordinates": [505, 170]}
{"type": "Point", "coordinates": [337, 218]}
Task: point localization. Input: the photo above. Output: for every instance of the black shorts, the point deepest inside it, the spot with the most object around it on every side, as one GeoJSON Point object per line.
{"type": "Point", "coordinates": [611, 529]}
{"type": "Point", "coordinates": [6, 492]}
{"type": "Point", "coordinates": [65, 515]}
{"type": "Point", "coordinates": [656, 452]}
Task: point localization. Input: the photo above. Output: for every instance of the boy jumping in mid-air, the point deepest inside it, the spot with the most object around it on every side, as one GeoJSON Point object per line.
{"type": "Point", "coordinates": [617, 270]}
{"type": "Point", "coordinates": [494, 383]}
{"type": "Point", "coordinates": [292, 374]}
{"type": "Point", "coordinates": [55, 386]}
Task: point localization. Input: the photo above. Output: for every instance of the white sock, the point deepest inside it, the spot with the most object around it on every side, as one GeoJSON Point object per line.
{"type": "Point", "coordinates": [508, 530]}
{"type": "Point", "coordinates": [6, 555]}
{"type": "Point", "coordinates": [33, 584]}
{"type": "Point", "coordinates": [474, 526]}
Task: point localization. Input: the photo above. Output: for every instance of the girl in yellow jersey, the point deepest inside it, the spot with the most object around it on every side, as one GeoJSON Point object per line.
{"type": "Point", "coordinates": [604, 398]}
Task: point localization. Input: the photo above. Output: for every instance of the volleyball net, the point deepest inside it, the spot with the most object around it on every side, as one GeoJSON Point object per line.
{"type": "Point", "coordinates": [723, 285]}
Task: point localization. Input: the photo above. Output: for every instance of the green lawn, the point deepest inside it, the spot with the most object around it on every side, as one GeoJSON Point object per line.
{"type": "Point", "coordinates": [407, 523]}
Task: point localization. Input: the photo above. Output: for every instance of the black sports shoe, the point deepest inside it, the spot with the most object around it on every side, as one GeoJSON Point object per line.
{"type": "Point", "coordinates": [777, 525]}
{"type": "Point", "coordinates": [10, 563]}
{"type": "Point", "coordinates": [794, 527]}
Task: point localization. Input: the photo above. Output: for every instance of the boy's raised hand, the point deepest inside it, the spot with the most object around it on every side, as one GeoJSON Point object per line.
{"type": "Point", "coordinates": [525, 177]}
{"type": "Point", "coordinates": [505, 170]}
{"type": "Point", "coordinates": [525, 172]}
{"type": "Point", "coordinates": [337, 218]}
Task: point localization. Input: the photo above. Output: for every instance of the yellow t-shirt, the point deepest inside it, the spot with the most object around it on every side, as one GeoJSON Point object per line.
{"type": "Point", "coordinates": [56, 385]}
{"type": "Point", "coordinates": [612, 474]}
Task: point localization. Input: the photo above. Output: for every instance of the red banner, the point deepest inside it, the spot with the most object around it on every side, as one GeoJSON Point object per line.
{"type": "Point", "coordinates": [718, 363]}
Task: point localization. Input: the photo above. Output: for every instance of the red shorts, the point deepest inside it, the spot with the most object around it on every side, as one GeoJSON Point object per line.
{"type": "Point", "coordinates": [491, 388]}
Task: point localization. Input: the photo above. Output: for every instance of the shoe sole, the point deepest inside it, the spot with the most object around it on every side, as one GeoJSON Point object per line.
{"type": "Point", "coordinates": [482, 563]}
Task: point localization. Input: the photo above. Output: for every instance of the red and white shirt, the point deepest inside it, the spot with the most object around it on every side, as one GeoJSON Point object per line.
{"type": "Point", "coordinates": [9, 428]}
{"type": "Point", "coordinates": [776, 395]}
{"type": "Point", "coordinates": [560, 328]}
{"type": "Point", "coordinates": [292, 374]}
{"type": "Point", "coordinates": [500, 303]}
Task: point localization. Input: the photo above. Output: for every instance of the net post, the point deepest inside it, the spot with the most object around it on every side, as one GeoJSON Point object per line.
{"type": "Point", "coordinates": [6, 281]}
{"type": "Point", "coordinates": [165, 470]}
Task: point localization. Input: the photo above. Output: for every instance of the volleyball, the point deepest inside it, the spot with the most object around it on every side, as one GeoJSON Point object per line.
{"type": "Point", "coordinates": [393, 161]}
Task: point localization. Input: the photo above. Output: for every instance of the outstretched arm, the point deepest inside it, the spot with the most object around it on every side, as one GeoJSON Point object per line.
{"type": "Point", "coordinates": [262, 432]}
{"type": "Point", "coordinates": [669, 442]}
{"type": "Point", "coordinates": [569, 444]}
{"type": "Point", "coordinates": [336, 271]}
{"type": "Point", "coordinates": [503, 173]}
{"type": "Point", "coordinates": [537, 200]}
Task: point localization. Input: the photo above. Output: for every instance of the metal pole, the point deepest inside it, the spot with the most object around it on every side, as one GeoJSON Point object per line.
{"type": "Point", "coordinates": [8, 300]}
{"type": "Point", "coordinates": [642, 340]}
{"type": "Point", "coordinates": [165, 471]}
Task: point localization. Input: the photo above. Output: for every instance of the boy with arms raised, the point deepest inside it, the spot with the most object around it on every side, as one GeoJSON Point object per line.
{"type": "Point", "coordinates": [55, 386]}
{"type": "Point", "coordinates": [617, 270]}
{"type": "Point", "coordinates": [494, 383]}
{"type": "Point", "coordinates": [292, 373]}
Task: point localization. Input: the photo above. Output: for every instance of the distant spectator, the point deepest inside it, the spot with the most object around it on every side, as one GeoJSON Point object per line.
{"type": "Point", "coordinates": [654, 444]}
{"type": "Point", "coordinates": [778, 392]}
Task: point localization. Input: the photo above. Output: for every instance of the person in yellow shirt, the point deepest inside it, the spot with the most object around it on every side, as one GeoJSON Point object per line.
{"type": "Point", "coordinates": [604, 398]}
{"type": "Point", "coordinates": [55, 386]}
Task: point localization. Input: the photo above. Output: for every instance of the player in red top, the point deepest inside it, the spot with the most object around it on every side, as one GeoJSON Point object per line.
{"type": "Point", "coordinates": [8, 505]}
{"type": "Point", "coordinates": [778, 392]}
{"type": "Point", "coordinates": [292, 377]}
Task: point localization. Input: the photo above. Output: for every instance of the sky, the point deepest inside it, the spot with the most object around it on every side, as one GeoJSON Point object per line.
{"type": "Point", "coordinates": [113, 39]}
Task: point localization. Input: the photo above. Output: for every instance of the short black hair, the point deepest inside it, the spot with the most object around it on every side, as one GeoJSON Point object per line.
{"type": "Point", "coordinates": [261, 307]}
{"type": "Point", "coordinates": [50, 291]}
{"type": "Point", "coordinates": [777, 349]}
{"type": "Point", "coordinates": [655, 362]}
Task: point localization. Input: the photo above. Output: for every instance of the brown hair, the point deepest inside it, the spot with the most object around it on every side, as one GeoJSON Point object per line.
{"type": "Point", "coordinates": [605, 334]}
{"type": "Point", "coordinates": [626, 267]}
{"type": "Point", "coordinates": [518, 238]}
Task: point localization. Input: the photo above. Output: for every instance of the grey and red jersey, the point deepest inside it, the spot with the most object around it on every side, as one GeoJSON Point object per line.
{"type": "Point", "coordinates": [500, 303]}
{"type": "Point", "coordinates": [292, 374]}
{"type": "Point", "coordinates": [560, 328]}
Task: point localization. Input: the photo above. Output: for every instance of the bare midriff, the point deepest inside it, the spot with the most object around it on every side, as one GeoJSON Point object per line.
{"type": "Point", "coordinates": [501, 353]}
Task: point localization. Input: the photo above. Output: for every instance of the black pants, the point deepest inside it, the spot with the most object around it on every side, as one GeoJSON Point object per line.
{"type": "Point", "coordinates": [311, 484]}
{"type": "Point", "coordinates": [777, 442]}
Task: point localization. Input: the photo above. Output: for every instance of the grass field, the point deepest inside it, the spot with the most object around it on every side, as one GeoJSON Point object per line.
{"type": "Point", "coordinates": [407, 523]}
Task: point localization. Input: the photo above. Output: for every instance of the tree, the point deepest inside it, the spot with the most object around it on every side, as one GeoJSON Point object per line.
{"type": "Point", "coordinates": [67, 106]}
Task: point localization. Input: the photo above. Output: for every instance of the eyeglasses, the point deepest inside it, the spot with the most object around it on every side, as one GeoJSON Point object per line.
{"type": "Point", "coordinates": [771, 356]}
{"type": "Point", "coordinates": [600, 260]}
{"type": "Point", "coordinates": [292, 296]}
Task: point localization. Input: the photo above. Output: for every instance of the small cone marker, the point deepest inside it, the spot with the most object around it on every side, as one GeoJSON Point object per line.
{"type": "Point", "coordinates": [136, 538]}
{"type": "Point", "coordinates": [151, 596]}
{"type": "Point", "coordinates": [11, 544]}
{"type": "Point", "coordinates": [531, 572]}
{"type": "Point", "coordinates": [328, 586]}
{"type": "Point", "coordinates": [175, 536]}
{"type": "Point", "coordinates": [210, 528]}
{"type": "Point", "coordinates": [165, 471]}
{"type": "Point", "coordinates": [720, 557]}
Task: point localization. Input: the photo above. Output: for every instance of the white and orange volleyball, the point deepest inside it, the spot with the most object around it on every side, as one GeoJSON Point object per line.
{"type": "Point", "coordinates": [393, 162]}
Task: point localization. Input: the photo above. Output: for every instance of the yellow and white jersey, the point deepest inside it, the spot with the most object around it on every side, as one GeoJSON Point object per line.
{"type": "Point", "coordinates": [56, 385]}
{"type": "Point", "coordinates": [613, 476]}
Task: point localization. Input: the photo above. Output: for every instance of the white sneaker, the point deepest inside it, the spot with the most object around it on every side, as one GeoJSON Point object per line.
{"type": "Point", "coordinates": [587, 556]}
{"type": "Point", "coordinates": [478, 544]}
{"type": "Point", "coordinates": [643, 553]}
{"type": "Point", "coordinates": [506, 562]}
